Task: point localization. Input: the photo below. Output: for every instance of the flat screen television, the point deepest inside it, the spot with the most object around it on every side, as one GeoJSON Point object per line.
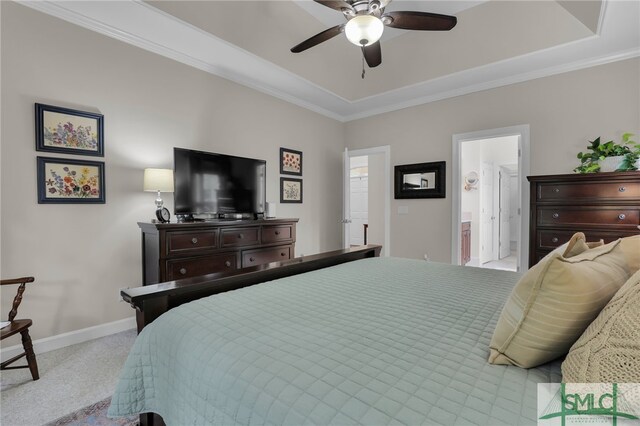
{"type": "Point", "coordinates": [216, 185]}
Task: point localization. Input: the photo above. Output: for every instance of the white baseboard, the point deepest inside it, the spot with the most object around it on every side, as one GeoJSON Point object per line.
{"type": "Point", "coordinates": [71, 338]}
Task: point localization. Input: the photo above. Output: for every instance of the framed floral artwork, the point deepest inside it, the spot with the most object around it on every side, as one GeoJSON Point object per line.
{"type": "Point", "coordinates": [290, 162]}
{"type": "Point", "coordinates": [290, 190]}
{"type": "Point", "coordinates": [62, 180]}
{"type": "Point", "coordinates": [69, 131]}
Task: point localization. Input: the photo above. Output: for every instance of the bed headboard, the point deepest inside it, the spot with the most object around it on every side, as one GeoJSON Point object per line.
{"type": "Point", "coordinates": [153, 300]}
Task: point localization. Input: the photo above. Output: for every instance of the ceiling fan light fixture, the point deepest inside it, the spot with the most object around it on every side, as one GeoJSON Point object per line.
{"type": "Point", "coordinates": [364, 30]}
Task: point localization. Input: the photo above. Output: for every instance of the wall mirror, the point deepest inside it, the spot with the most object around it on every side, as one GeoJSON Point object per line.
{"type": "Point", "coordinates": [423, 180]}
{"type": "Point", "coordinates": [471, 181]}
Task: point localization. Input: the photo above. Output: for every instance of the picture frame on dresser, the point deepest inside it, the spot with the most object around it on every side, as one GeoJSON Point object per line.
{"type": "Point", "coordinates": [69, 131]}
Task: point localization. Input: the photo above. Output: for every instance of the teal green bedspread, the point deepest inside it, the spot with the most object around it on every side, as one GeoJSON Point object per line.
{"type": "Point", "coordinates": [377, 341]}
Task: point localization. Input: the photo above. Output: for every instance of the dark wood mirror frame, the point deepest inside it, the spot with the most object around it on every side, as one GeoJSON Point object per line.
{"type": "Point", "coordinates": [435, 190]}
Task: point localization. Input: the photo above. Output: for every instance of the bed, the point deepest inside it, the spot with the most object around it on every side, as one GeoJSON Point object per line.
{"type": "Point", "coordinates": [369, 341]}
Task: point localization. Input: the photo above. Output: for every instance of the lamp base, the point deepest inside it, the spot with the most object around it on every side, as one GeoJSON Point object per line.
{"type": "Point", "coordinates": [159, 201]}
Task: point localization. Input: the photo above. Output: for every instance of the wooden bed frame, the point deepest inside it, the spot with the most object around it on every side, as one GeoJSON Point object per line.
{"type": "Point", "coordinates": [153, 300]}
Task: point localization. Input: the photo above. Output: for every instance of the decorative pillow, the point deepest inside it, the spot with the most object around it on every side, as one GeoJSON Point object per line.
{"type": "Point", "coordinates": [631, 248]}
{"type": "Point", "coordinates": [609, 350]}
{"type": "Point", "coordinates": [554, 302]}
{"type": "Point", "coordinates": [576, 245]}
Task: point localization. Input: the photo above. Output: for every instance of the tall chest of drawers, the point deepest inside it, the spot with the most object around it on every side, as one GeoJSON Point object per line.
{"type": "Point", "coordinates": [602, 205]}
{"type": "Point", "coordinates": [171, 251]}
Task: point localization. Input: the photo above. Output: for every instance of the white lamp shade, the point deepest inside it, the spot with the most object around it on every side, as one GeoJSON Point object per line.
{"type": "Point", "coordinates": [158, 180]}
{"type": "Point", "coordinates": [364, 30]}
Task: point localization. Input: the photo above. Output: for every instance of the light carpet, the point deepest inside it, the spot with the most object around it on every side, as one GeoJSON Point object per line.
{"type": "Point", "coordinates": [70, 378]}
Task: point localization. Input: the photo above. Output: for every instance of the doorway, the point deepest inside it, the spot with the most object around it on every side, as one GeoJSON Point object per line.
{"type": "Point", "coordinates": [490, 198]}
{"type": "Point", "coordinates": [367, 197]}
{"type": "Point", "coordinates": [359, 201]}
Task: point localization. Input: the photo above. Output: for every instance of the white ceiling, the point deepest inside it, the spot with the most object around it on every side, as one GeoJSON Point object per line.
{"type": "Point", "coordinates": [329, 17]}
{"type": "Point", "coordinates": [495, 43]}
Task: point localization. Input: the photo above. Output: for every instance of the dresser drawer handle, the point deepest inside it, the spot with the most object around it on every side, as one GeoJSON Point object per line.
{"type": "Point", "coordinates": [277, 232]}
{"type": "Point", "coordinates": [241, 236]}
{"type": "Point", "coordinates": [556, 190]}
{"type": "Point", "coordinates": [554, 240]}
{"type": "Point", "coordinates": [194, 240]}
{"type": "Point", "coordinates": [251, 259]}
{"type": "Point", "coordinates": [555, 215]}
{"type": "Point", "coordinates": [227, 264]}
{"type": "Point", "coordinates": [283, 254]}
{"type": "Point", "coordinates": [622, 216]}
{"type": "Point", "coordinates": [622, 189]}
{"type": "Point", "coordinates": [183, 271]}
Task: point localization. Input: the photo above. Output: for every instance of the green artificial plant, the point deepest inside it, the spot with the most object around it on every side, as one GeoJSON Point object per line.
{"type": "Point", "coordinates": [628, 149]}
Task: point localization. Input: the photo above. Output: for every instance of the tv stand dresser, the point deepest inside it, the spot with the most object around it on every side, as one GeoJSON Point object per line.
{"type": "Point", "coordinates": [171, 251]}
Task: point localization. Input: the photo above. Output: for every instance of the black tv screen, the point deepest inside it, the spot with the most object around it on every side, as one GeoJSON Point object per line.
{"type": "Point", "coordinates": [209, 183]}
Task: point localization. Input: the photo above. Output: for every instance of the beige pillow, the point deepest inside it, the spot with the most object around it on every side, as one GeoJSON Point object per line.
{"type": "Point", "coordinates": [554, 302]}
{"type": "Point", "coordinates": [609, 350]}
{"type": "Point", "coordinates": [576, 245]}
{"type": "Point", "coordinates": [631, 248]}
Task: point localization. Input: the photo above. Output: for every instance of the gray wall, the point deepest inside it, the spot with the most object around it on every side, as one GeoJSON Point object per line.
{"type": "Point", "coordinates": [564, 112]}
{"type": "Point", "coordinates": [82, 254]}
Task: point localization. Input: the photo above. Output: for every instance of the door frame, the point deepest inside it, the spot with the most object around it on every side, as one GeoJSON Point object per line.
{"type": "Point", "coordinates": [523, 133]}
{"type": "Point", "coordinates": [487, 231]}
{"type": "Point", "coordinates": [504, 175]}
{"type": "Point", "coordinates": [386, 151]}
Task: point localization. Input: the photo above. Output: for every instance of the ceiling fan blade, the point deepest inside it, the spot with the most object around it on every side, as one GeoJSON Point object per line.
{"type": "Point", "coordinates": [318, 38]}
{"type": "Point", "coordinates": [372, 54]}
{"type": "Point", "coordinates": [338, 5]}
{"type": "Point", "coordinates": [419, 21]}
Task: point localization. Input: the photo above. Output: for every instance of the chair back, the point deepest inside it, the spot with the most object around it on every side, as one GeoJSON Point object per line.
{"type": "Point", "coordinates": [18, 299]}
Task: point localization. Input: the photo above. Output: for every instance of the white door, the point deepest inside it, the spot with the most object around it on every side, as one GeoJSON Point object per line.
{"type": "Point", "coordinates": [379, 197]}
{"type": "Point", "coordinates": [486, 212]}
{"type": "Point", "coordinates": [505, 213]}
{"type": "Point", "coordinates": [359, 208]}
{"type": "Point", "coordinates": [346, 199]}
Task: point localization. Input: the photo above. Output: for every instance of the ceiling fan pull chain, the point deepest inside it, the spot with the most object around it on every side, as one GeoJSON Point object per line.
{"type": "Point", "coordinates": [363, 67]}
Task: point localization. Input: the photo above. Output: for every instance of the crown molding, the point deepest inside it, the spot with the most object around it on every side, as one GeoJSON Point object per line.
{"type": "Point", "coordinates": [499, 82]}
{"type": "Point", "coordinates": [139, 24]}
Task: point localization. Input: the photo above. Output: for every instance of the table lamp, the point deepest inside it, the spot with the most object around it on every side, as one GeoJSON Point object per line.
{"type": "Point", "coordinates": [160, 180]}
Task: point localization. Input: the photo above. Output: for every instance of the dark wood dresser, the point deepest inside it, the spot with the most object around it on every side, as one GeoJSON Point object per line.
{"type": "Point", "coordinates": [602, 205]}
{"type": "Point", "coordinates": [171, 251]}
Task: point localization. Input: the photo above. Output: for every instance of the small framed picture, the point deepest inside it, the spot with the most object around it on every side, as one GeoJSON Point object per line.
{"type": "Point", "coordinates": [290, 162]}
{"type": "Point", "coordinates": [290, 190]}
{"type": "Point", "coordinates": [62, 180]}
{"type": "Point", "coordinates": [69, 131]}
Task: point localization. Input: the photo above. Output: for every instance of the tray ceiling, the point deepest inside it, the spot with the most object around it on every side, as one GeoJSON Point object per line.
{"type": "Point", "coordinates": [494, 43]}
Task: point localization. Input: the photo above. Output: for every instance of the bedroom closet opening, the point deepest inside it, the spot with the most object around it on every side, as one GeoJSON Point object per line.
{"type": "Point", "coordinates": [366, 198]}
{"type": "Point", "coordinates": [490, 202]}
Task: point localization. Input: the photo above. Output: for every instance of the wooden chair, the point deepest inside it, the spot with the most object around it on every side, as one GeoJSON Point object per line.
{"type": "Point", "coordinates": [19, 326]}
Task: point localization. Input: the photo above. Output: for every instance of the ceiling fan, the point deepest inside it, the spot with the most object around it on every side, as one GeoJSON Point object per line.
{"type": "Point", "coordinates": [366, 20]}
